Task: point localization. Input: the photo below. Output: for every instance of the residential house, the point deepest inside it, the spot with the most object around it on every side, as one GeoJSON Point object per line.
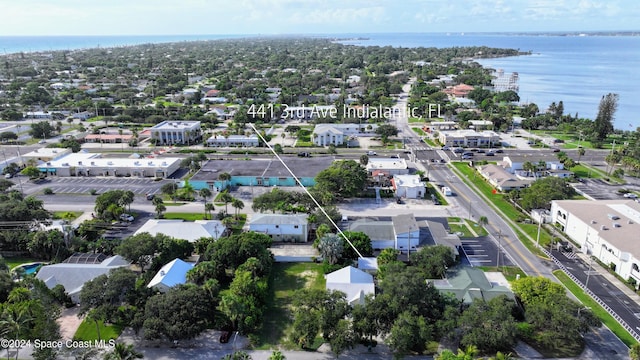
{"type": "Point", "coordinates": [281, 227]}
{"type": "Point", "coordinates": [460, 90]}
{"type": "Point", "coordinates": [172, 274]}
{"type": "Point", "coordinates": [398, 233]}
{"type": "Point", "coordinates": [409, 186]}
{"type": "Point", "coordinates": [441, 236]}
{"type": "Point", "coordinates": [501, 179]}
{"type": "Point", "coordinates": [605, 229]}
{"type": "Point", "coordinates": [184, 230]}
{"type": "Point", "coordinates": [355, 283]}
{"type": "Point", "coordinates": [515, 164]}
{"type": "Point", "coordinates": [76, 270]}
{"type": "Point", "coordinates": [469, 283]}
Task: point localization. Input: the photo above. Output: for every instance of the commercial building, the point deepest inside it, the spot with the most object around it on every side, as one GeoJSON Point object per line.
{"type": "Point", "coordinates": [88, 164]}
{"type": "Point", "coordinates": [44, 154]}
{"type": "Point", "coordinates": [409, 186]}
{"type": "Point", "coordinates": [233, 141]}
{"type": "Point", "coordinates": [606, 229]}
{"type": "Point", "coordinates": [469, 138]}
{"type": "Point", "coordinates": [259, 172]}
{"type": "Point", "coordinates": [184, 230]}
{"type": "Point", "coordinates": [339, 134]}
{"type": "Point", "coordinates": [387, 166]}
{"type": "Point", "coordinates": [176, 132]}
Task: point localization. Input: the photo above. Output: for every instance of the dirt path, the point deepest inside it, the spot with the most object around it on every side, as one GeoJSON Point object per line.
{"type": "Point", "coordinates": [69, 322]}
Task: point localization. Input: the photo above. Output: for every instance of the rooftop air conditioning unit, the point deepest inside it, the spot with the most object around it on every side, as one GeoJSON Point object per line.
{"type": "Point", "coordinates": [93, 163]}
{"type": "Point", "coordinates": [602, 227]}
{"type": "Point", "coordinates": [613, 216]}
{"type": "Point", "coordinates": [593, 221]}
{"type": "Point", "coordinates": [616, 225]}
{"type": "Point", "coordinates": [79, 162]}
{"type": "Point", "coordinates": [629, 221]}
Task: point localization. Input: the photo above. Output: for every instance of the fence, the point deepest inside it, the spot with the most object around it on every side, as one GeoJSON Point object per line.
{"type": "Point", "coordinates": [621, 321]}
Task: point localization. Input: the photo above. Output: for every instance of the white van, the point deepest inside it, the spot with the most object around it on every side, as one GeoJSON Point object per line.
{"type": "Point", "coordinates": [446, 191]}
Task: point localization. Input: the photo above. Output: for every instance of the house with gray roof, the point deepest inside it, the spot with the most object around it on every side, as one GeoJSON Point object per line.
{"type": "Point", "coordinates": [396, 234]}
{"type": "Point", "coordinates": [74, 274]}
{"type": "Point", "coordinates": [171, 274]}
{"type": "Point", "coordinates": [281, 227]}
{"type": "Point", "coordinates": [468, 283]}
{"type": "Point", "coordinates": [184, 230]}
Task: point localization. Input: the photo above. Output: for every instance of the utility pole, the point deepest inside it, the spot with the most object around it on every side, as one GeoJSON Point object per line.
{"type": "Point", "coordinates": [499, 249]}
{"type": "Point", "coordinates": [538, 237]}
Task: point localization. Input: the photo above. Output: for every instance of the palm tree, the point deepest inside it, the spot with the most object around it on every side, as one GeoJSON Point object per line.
{"type": "Point", "coordinates": [226, 198]}
{"type": "Point", "coordinates": [204, 194]}
{"type": "Point", "coordinates": [14, 322]}
{"type": "Point", "coordinates": [528, 167]}
{"type": "Point", "coordinates": [483, 221]}
{"type": "Point", "coordinates": [238, 205]}
{"type": "Point", "coordinates": [208, 208]}
{"type": "Point", "coordinates": [224, 177]}
{"type": "Point", "coordinates": [581, 152]}
{"type": "Point", "coordinates": [160, 207]}
{"type": "Point", "coordinates": [123, 351]}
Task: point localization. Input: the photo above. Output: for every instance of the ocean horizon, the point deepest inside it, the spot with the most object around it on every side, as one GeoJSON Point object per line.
{"type": "Point", "coordinates": [573, 67]}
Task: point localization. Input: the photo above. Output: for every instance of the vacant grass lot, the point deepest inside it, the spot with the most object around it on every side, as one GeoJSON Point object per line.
{"type": "Point", "coordinates": [285, 279]}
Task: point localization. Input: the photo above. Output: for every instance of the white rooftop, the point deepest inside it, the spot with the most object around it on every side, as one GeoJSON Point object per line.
{"type": "Point", "coordinates": [185, 230]}
{"type": "Point", "coordinates": [176, 124]}
{"type": "Point", "coordinates": [408, 180]}
{"type": "Point", "coordinates": [279, 219]}
{"type": "Point", "coordinates": [44, 152]}
{"type": "Point", "coordinates": [386, 163]}
{"type": "Point", "coordinates": [88, 160]}
{"type": "Point", "coordinates": [355, 283]}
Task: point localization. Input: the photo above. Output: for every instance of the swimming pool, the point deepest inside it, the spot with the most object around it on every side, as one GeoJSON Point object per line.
{"type": "Point", "coordinates": [29, 269]}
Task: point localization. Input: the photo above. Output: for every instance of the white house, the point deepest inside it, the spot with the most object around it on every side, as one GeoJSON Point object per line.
{"type": "Point", "coordinates": [75, 271]}
{"type": "Point", "coordinates": [606, 229]}
{"type": "Point", "coordinates": [514, 164]}
{"type": "Point", "coordinates": [501, 179]}
{"type": "Point", "coordinates": [176, 132]}
{"type": "Point", "coordinates": [326, 134]}
{"type": "Point", "coordinates": [355, 283]}
{"type": "Point", "coordinates": [170, 275]}
{"type": "Point", "coordinates": [409, 186]}
{"type": "Point", "coordinates": [184, 230]}
{"type": "Point", "coordinates": [281, 227]}
{"type": "Point", "coordinates": [407, 232]}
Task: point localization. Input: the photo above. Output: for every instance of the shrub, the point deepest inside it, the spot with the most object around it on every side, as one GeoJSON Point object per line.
{"type": "Point", "coordinates": [47, 191]}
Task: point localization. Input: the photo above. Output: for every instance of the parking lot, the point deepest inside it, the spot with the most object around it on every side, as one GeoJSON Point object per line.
{"type": "Point", "coordinates": [482, 251]}
{"type": "Point", "coordinates": [82, 185]}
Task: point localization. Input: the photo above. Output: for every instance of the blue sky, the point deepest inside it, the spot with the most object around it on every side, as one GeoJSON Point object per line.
{"type": "Point", "coordinates": [167, 17]}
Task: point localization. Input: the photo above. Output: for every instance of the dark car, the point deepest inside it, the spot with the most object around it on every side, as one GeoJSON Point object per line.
{"type": "Point", "coordinates": [490, 153]}
{"type": "Point", "coordinates": [225, 336]}
{"type": "Point", "coordinates": [398, 201]}
{"type": "Point", "coordinates": [556, 150]}
{"type": "Point", "coordinates": [499, 151]}
{"type": "Point", "coordinates": [150, 196]}
{"type": "Point", "coordinates": [304, 154]}
{"type": "Point", "coordinates": [480, 151]}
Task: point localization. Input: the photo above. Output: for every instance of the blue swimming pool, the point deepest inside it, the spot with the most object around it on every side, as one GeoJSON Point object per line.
{"type": "Point", "coordinates": [29, 269]}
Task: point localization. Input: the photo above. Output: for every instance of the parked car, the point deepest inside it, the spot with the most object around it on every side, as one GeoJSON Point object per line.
{"type": "Point", "coordinates": [467, 157]}
{"type": "Point", "coordinates": [556, 150]}
{"type": "Point", "coordinates": [8, 176]}
{"type": "Point", "coordinates": [631, 195]}
{"type": "Point", "coordinates": [458, 150]}
{"type": "Point", "coordinates": [371, 153]}
{"type": "Point", "coordinates": [490, 153]}
{"type": "Point", "coordinates": [480, 151]}
{"type": "Point", "coordinates": [499, 151]}
{"type": "Point", "coordinates": [150, 196]}
{"type": "Point", "coordinates": [126, 217]}
{"type": "Point", "coordinates": [304, 154]}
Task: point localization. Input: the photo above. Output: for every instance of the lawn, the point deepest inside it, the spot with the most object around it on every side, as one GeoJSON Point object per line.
{"type": "Point", "coordinates": [18, 260]}
{"type": "Point", "coordinates": [416, 120]}
{"type": "Point", "coordinates": [602, 314]}
{"type": "Point", "coordinates": [510, 272]}
{"type": "Point", "coordinates": [87, 331]}
{"type": "Point", "coordinates": [418, 131]}
{"type": "Point", "coordinates": [66, 215]}
{"type": "Point", "coordinates": [432, 191]}
{"type": "Point", "coordinates": [481, 231]}
{"type": "Point", "coordinates": [284, 280]}
{"type": "Point", "coordinates": [185, 216]}
{"type": "Point", "coordinates": [461, 230]}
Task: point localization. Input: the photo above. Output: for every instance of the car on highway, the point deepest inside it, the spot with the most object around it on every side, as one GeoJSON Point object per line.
{"type": "Point", "coordinates": [490, 153]}
{"type": "Point", "coordinates": [480, 151]}
{"type": "Point", "coordinates": [150, 196]}
{"type": "Point", "coordinates": [126, 217]}
{"type": "Point", "coordinates": [499, 151]}
{"type": "Point", "coordinates": [371, 153]}
{"type": "Point", "coordinates": [8, 176]}
{"type": "Point", "coordinates": [304, 154]}
{"type": "Point", "coordinates": [467, 157]}
{"type": "Point", "coordinates": [458, 150]}
{"type": "Point", "coordinates": [631, 195]}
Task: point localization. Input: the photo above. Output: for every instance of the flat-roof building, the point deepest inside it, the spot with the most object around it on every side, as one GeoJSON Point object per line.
{"type": "Point", "coordinates": [176, 132]}
{"type": "Point", "coordinates": [88, 164]}
{"type": "Point", "coordinates": [469, 138]}
{"type": "Point", "coordinates": [606, 229]}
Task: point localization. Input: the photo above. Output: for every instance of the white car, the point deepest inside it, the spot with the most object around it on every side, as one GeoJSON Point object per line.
{"type": "Point", "coordinates": [631, 195]}
{"type": "Point", "coordinates": [126, 217]}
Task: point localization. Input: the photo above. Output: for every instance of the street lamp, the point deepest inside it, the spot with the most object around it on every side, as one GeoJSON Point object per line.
{"type": "Point", "coordinates": [499, 248]}
{"type": "Point", "coordinates": [470, 215]}
{"type": "Point", "coordinates": [538, 236]}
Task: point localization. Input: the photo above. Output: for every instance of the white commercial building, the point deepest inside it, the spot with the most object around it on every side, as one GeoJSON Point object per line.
{"type": "Point", "coordinates": [606, 229]}
{"type": "Point", "coordinates": [233, 141]}
{"type": "Point", "coordinates": [88, 164]}
{"type": "Point", "coordinates": [339, 134]}
{"type": "Point", "coordinates": [469, 138]}
{"type": "Point", "coordinates": [388, 166]}
{"type": "Point", "coordinates": [409, 186]}
{"type": "Point", "coordinates": [176, 132]}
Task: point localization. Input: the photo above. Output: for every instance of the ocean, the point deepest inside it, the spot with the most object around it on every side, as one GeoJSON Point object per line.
{"type": "Point", "coordinates": [577, 70]}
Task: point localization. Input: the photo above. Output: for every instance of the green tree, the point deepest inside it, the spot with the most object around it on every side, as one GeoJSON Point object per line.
{"type": "Point", "coordinates": [634, 351]}
{"type": "Point", "coordinates": [237, 205]}
{"type": "Point", "coordinates": [540, 194]}
{"type": "Point", "coordinates": [139, 249]}
{"type": "Point", "coordinates": [433, 261]}
{"type": "Point", "coordinates": [360, 241]}
{"type": "Point", "coordinates": [489, 326]}
{"type": "Point", "coordinates": [305, 328]}
{"type": "Point", "coordinates": [345, 178]}
{"type": "Point", "coordinates": [277, 355]}
{"type": "Point", "coordinates": [31, 171]}
{"type": "Point", "coordinates": [343, 337]}
{"type": "Point", "coordinates": [385, 131]}
{"type": "Point", "coordinates": [331, 248]}
{"type": "Point", "coordinates": [409, 333]}
{"type": "Point", "coordinates": [41, 130]}
{"type": "Point", "coordinates": [364, 159]}
{"type": "Point", "coordinates": [160, 206]}
{"type": "Point", "coordinates": [225, 178]}
{"type": "Point", "coordinates": [535, 288]}
{"type": "Point", "coordinates": [603, 124]}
